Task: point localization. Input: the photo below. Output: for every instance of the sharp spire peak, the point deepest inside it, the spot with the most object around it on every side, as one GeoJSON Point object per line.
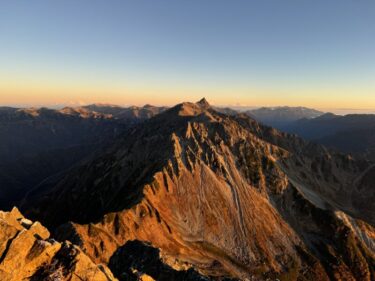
{"type": "Point", "coordinates": [203, 103]}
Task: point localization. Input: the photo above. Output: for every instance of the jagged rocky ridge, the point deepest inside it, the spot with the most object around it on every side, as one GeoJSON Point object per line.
{"type": "Point", "coordinates": [223, 196]}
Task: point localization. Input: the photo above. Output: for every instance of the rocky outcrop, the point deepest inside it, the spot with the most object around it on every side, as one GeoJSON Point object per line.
{"type": "Point", "coordinates": [27, 253]}
{"type": "Point", "coordinates": [220, 195]}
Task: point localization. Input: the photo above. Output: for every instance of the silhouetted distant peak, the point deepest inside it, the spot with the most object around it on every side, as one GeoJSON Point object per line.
{"type": "Point", "coordinates": [282, 116]}
{"type": "Point", "coordinates": [327, 116]}
{"type": "Point", "coordinates": [203, 103]}
{"type": "Point", "coordinates": [190, 108]}
{"type": "Point", "coordinates": [102, 105]}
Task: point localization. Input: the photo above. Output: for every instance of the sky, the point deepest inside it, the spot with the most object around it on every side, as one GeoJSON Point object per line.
{"type": "Point", "coordinates": [315, 53]}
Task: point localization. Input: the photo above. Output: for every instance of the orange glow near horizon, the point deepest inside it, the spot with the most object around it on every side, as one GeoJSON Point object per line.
{"type": "Point", "coordinates": [248, 54]}
{"type": "Point", "coordinates": [52, 94]}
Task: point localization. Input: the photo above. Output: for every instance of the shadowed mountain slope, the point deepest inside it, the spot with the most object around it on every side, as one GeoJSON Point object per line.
{"type": "Point", "coordinates": [38, 143]}
{"type": "Point", "coordinates": [352, 133]}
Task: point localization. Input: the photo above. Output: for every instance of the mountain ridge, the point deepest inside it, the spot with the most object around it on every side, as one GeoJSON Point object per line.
{"type": "Point", "coordinates": [248, 180]}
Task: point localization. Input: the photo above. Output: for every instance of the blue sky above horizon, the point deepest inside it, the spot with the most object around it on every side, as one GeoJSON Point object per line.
{"type": "Point", "coordinates": [311, 53]}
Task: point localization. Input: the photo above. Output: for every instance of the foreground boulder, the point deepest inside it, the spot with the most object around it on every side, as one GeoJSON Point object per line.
{"type": "Point", "coordinates": [27, 253]}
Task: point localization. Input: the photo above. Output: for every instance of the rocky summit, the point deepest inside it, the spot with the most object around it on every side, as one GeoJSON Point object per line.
{"type": "Point", "coordinates": [194, 194]}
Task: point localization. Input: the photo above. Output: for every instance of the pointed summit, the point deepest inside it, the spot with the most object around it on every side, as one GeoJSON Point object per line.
{"type": "Point", "coordinates": [203, 103]}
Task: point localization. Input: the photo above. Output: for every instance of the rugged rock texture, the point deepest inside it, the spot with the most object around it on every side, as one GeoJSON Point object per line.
{"type": "Point", "coordinates": [223, 196]}
{"type": "Point", "coordinates": [27, 253]}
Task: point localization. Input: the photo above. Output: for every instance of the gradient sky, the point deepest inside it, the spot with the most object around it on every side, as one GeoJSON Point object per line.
{"type": "Point", "coordinates": [317, 53]}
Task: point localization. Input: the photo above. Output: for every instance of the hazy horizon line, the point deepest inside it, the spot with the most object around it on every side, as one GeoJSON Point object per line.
{"type": "Point", "coordinates": [241, 107]}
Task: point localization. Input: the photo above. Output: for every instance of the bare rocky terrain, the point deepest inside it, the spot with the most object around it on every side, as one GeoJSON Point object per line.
{"type": "Point", "coordinates": [28, 253]}
{"type": "Point", "coordinates": [193, 193]}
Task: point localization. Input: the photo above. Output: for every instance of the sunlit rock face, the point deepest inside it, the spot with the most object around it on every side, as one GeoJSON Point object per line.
{"type": "Point", "coordinates": [27, 253]}
{"type": "Point", "coordinates": [220, 195]}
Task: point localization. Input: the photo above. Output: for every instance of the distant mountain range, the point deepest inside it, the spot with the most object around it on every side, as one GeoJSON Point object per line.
{"type": "Point", "coordinates": [352, 133]}
{"type": "Point", "coordinates": [281, 117]}
{"type": "Point", "coordinates": [126, 114]}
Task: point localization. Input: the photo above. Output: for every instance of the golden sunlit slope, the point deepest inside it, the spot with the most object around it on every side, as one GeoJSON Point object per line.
{"type": "Point", "coordinates": [222, 195]}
